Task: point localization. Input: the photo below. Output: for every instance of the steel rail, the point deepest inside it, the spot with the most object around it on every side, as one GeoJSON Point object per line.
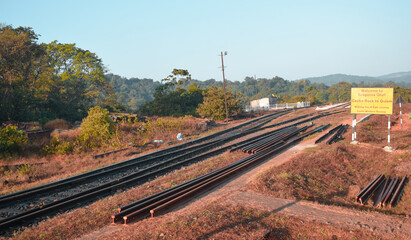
{"type": "Point", "coordinates": [368, 186]}
{"type": "Point", "coordinates": [291, 125]}
{"type": "Point", "coordinates": [277, 141]}
{"type": "Point", "coordinates": [386, 191]}
{"type": "Point", "coordinates": [328, 134]}
{"type": "Point", "coordinates": [136, 211]}
{"type": "Point", "coordinates": [224, 176]}
{"type": "Point", "coordinates": [251, 146]}
{"type": "Point", "coordinates": [175, 197]}
{"type": "Point", "coordinates": [389, 192]}
{"type": "Point", "coordinates": [397, 194]}
{"type": "Point", "coordinates": [189, 182]}
{"type": "Point", "coordinates": [273, 140]}
{"type": "Point", "coordinates": [260, 137]}
{"type": "Point", "coordinates": [166, 193]}
{"type": "Point", "coordinates": [338, 134]}
{"type": "Point", "coordinates": [368, 193]}
{"type": "Point", "coordinates": [380, 193]}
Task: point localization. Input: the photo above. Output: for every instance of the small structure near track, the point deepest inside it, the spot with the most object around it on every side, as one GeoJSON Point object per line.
{"type": "Point", "coordinates": [266, 104]}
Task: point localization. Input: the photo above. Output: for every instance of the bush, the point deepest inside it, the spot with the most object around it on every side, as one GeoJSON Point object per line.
{"type": "Point", "coordinates": [11, 139]}
{"type": "Point", "coordinates": [57, 124]}
{"type": "Point", "coordinates": [58, 146]}
{"type": "Point", "coordinates": [97, 128]}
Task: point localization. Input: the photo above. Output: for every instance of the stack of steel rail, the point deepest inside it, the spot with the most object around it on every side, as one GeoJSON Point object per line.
{"type": "Point", "coordinates": [385, 191]}
{"type": "Point", "coordinates": [338, 132]}
{"type": "Point", "coordinates": [159, 202]}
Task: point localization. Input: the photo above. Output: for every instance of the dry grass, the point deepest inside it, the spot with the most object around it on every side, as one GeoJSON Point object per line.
{"type": "Point", "coordinates": [61, 226]}
{"type": "Point", "coordinates": [164, 128]}
{"type": "Point", "coordinates": [217, 221]}
{"type": "Point", "coordinates": [57, 124]}
{"type": "Point", "coordinates": [335, 174]}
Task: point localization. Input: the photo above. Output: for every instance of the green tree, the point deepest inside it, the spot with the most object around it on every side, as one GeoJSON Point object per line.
{"type": "Point", "coordinates": [340, 92]}
{"type": "Point", "coordinates": [404, 92]}
{"type": "Point", "coordinates": [171, 101]}
{"type": "Point", "coordinates": [214, 104]}
{"type": "Point", "coordinates": [77, 81]}
{"type": "Point", "coordinates": [322, 96]}
{"type": "Point", "coordinates": [177, 77]}
{"type": "Point", "coordinates": [22, 65]}
{"type": "Point", "coordinates": [11, 139]}
{"type": "Point", "coordinates": [97, 128]}
{"type": "Point", "coordinates": [46, 81]}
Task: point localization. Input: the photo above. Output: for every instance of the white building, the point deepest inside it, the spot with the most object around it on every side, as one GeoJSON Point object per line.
{"type": "Point", "coordinates": [262, 103]}
{"type": "Point", "coordinates": [271, 103]}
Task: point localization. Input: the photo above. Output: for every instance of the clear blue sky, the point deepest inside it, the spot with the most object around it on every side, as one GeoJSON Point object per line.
{"type": "Point", "coordinates": [290, 39]}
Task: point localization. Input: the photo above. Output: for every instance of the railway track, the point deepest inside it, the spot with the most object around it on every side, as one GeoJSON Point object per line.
{"type": "Point", "coordinates": [28, 206]}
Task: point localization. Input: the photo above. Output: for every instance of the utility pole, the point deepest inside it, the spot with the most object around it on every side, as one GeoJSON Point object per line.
{"type": "Point", "coordinates": [225, 95]}
{"type": "Point", "coordinates": [255, 86]}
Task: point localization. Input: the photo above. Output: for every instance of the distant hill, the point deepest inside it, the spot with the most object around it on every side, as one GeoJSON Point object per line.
{"type": "Point", "coordinates": [402, 79]}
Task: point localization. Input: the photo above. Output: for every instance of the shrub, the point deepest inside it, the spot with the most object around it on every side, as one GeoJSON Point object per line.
{"type": "Point", "coordinates": [57, 124]}
{"type": "Point", "coordinates": [213, 105]}
{"type": "Point", "coordinates": [11, 139]}
{"type": "Point", "coordinates": [97, 128]}
{"type": "Point", "coordinates": [58, 146]}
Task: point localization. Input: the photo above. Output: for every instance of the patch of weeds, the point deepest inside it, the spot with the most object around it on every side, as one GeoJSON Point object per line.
{"type": "Point", "coordinates": [284, 175]}
{"type": "Point", "coordinates": [24, 169]}
{"type": "Point", "coordinates": [58, 146]}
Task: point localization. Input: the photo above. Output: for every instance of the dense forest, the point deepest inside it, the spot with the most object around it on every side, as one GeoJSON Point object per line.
{"type": "Point", "coordinates": [132, 92]}
{"type": "Point", "coordinates": [135, 92]}
{"type": "Point", "coordinates": [250, 88]}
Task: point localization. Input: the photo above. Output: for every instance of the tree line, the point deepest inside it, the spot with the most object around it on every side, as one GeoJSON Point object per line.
{"type": "Point", "coordinates": [40, 81]}
{"type": "Point", "coordinates": [45, 81]}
